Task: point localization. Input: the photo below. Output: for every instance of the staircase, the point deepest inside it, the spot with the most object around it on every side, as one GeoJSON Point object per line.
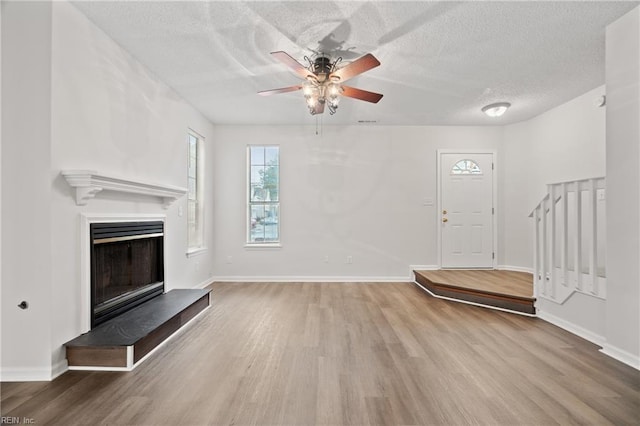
{"type": "Point", "coordinates": [569, 240]}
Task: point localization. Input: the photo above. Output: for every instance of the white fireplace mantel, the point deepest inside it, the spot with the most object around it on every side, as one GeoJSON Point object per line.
{"type": "Point", "coordinates": [88, 183]}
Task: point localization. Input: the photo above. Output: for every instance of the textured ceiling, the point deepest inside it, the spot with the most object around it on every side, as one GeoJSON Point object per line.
{"type": "Point", "coordinates": [441, 61]}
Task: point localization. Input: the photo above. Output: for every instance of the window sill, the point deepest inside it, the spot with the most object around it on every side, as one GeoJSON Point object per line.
{"type": "Point", "coordinates": [258, 246]}
{"type": "Point", "coordinates": [196, 251]}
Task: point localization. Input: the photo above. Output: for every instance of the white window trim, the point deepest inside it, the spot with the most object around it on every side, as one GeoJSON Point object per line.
{"type": "Point", "coordinates": [200, 179]}
{"type": "Point", "coordinates": [465, 172]}
{"type": "Point", "coordinates": [260, 245]}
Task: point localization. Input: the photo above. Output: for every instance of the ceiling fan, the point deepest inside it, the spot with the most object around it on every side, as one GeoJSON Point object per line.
{"type": "Point", "coordinates": [323, 81]}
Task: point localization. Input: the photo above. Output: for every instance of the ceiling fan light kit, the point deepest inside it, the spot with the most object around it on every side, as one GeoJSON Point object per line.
{"type": "Point", "coordinates": [322, 89]}
{"type": "Point", "coordinates": [323, 81]}
{"type": "Point", "coordinates": [497, 109]}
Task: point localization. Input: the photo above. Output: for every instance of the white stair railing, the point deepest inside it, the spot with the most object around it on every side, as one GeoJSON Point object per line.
{"type": "Point", "coordinates": [569, 227]}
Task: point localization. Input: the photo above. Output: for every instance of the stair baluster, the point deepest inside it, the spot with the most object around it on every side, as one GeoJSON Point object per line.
{"type": "Point", "coordinates": [561, 237]}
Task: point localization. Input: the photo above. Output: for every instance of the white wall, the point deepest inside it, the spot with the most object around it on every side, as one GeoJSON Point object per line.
{"type": "Point", "coordinates": [565, 143]}
{"type": "Point", "coordinates": [623, 187]}
{"type": "Point", "coordinates": [26, 254]}
{"type": "Point", "coordinates": [106, 113]}
{"type": "Point", "coordinates": [571, 142]}
{"type": "Point", "coordinates": [352, 191]}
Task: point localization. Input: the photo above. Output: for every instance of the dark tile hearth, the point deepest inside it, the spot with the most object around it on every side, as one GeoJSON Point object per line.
{"type": "Point", "coordinates": [121, 342]}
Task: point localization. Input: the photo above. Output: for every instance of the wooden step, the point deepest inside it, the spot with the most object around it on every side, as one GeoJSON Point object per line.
{"type": "Point", "coordinates": [508, 290]}
{"type": "Point", "coordinates": [122, 342]}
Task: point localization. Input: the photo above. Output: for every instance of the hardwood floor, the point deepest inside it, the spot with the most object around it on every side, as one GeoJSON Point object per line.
{"type": "Point", "coordinates": [345, 353]}
{"type": "Point", "coordinates": [494, 281]}
{"type": "Point", "coordinates": [508, 290]}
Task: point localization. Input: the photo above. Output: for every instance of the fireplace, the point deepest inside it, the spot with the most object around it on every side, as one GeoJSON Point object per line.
{"type": "Point", "coordinates": [127, 266]}
{"type": "Point", "coordinates": [126, 314]}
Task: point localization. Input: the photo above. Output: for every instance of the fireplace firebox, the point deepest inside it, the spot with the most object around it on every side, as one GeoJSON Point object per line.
{"type": "Point", "coordinates": [127, 266]}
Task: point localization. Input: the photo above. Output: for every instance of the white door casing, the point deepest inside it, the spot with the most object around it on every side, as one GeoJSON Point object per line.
{"type": "Point", "coordinates": [466, 209]}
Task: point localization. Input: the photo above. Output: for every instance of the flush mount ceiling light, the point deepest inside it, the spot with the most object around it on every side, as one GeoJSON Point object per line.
{"type": "Point", "coordinates": [497, 109]}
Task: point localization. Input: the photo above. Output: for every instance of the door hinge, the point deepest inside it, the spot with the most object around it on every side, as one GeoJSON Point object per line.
{"type": "Point", "coordinates": [493, 210]}
{"type": "Point", "coordinates": [492, 166]}
{"type": "Point", "coordinates": [493, 255]}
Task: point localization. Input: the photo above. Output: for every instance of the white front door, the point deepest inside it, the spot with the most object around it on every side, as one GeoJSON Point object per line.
{"type": "Point", "coordinates": [466, 219]}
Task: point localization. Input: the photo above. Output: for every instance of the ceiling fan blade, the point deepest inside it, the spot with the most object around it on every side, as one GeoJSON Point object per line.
{"type": "Point", "coordinates": [363, 95]}
{"type": "Point", "coordinates": [291, 63]}
{"type": "Point", "coordinates": [357, 67]}
{"type": "Point", "coordinates": [276, 91]}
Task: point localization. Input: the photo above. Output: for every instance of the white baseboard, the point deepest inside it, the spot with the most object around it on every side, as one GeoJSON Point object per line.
{"type": "Point", "coordinates": [204, 283]}
{"type": "Point", "coordinates": [198, 286]}
{"type": "Point", "coordinates": [621, 355]}
{"type": "Point", "coordinates": [311, 279]}
{"type": "Point", "coordinates": [607, 349]}
{"type": "Point", "coordinates": [515, 268]}
{"type": "Point", "coordinates": [59, 368]}
{"type": "Point", "coordinates": [25, 374]}
{"type": "Point", "coordinates": [571, 327]}
{"type": "Point", "coordinates": [499, 267]}
{"type": "Point", "coordinates": [423, 267]}
{"type": "Point", "coordinates": [332, 279]}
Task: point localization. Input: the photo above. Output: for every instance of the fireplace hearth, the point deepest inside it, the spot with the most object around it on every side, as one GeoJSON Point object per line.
{"type": "Point", "coordinates": [127, 266]}
{"type": "Point", "coordinates": [127, 313]}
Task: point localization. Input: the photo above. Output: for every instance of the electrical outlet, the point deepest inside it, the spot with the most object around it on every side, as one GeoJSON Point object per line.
{"type": "Point", "coordinates": [326, 259]}
{"type": "Point", "coordinates": [349, 259]}
{"type": "Point", "coordinates": [229, 259]}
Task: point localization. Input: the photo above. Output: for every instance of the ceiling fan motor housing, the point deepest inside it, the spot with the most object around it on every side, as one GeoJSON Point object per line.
{"type": "Point", "coordinates": [322, 65]}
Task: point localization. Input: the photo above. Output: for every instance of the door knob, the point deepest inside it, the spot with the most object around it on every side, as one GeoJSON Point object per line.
{"type": "Point", "coordinates": [444, 219]}
{"type": "Point", "coordinates": [444, 212]}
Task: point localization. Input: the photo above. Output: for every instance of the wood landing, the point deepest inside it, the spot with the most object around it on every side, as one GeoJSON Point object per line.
{"type": "Point", "coordinates": [499, 289]}
{"type": "Point", "coordinates": [120, 343]}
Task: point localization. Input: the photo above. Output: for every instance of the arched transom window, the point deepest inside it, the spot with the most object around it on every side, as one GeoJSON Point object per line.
{"type": "Point", "coordinates": [466, 167]}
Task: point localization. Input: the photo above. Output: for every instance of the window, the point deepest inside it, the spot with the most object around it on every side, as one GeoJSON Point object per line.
{"type": "Point", "coordinates": [195, 193]}
{"type": "Point", "coordinates": [466, 167]}
{"type": "Point", "coordinates": [264, 195]}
